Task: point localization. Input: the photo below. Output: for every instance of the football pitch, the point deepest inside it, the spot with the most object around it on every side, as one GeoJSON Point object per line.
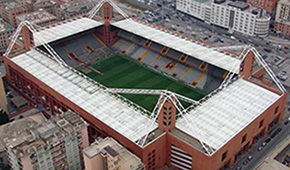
{"type": "Point", "coordinates": [119, 71]}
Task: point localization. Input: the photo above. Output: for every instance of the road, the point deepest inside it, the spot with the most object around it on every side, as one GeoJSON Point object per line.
{"type": "Point", "coordinates": [259, 156]}
{"type": "Point", "coordinates": [204, 29]}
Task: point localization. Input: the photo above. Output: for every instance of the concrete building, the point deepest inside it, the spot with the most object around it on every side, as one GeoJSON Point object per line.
{"type": "Point", "coordinates": [3, 101]}
{"type": "Point", "coordinates": [72, 9]}
{"type": "Point", "coordinates": [108, 154]}
{"type": "Point", "coordinates": [24, 2]}
{"type": "Point", "coordinates": [282, 18]}
{"type": "Point", "coordinates": [40, 17]}
{"type": "Point", "coordinates": [235, 16]}
{"type": "Point", "coordinates": [10, 10]}
{"type": "Point", "coordinates": [48, 5]}
{"type": "Point", "coordinates": [6, 30]}
{"type": "Point", "coordinates": [3, 1]}
{"type": "Point", "coordinates": [268, 5]}
{"type": "Point", "coordinates": [37, 143]}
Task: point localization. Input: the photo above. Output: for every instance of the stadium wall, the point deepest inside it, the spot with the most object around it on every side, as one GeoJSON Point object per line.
{"type": "Point", "coordinates": [53, 98]}
{"type": "Point", "coordinates": [161, 146]}
{"type": "Point", "coordinates": [236, 146]}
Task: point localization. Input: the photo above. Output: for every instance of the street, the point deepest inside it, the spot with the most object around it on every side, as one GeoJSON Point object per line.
{"type": "Point", "coordinates": [259, 156]}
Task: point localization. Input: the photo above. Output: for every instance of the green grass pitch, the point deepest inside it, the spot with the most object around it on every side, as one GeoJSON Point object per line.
{"type": "Point", "coordinates": [123, 72]}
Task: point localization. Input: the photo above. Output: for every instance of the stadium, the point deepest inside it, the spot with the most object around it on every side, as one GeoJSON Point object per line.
{"type": "Point", "coordinates": [168, 98]}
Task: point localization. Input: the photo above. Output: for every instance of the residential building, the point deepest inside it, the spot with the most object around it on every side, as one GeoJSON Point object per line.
{"type": "Point", "coordinates": [3, 97]}
{"type": "Point", "coordinates": [37, 143]}
{"type": "Point", "coordinates": [3, 1]}
{"type": "Point", "coordinates": [6, 30]}
{"type": "Point", "coordinates": [268, 5]}
{"type": "Point", "coordinates": [282, 18]}
{"type": "Point", "coordinates": [3, 158]}
{"type": "Point", "coordinates": [48, 5]}
{"type": "Point", "coordinates": [10, 10]}
{"type": "Point", "coordinates": [76, 8]}
{"type": "Point", "coordinates": [108, 154]}
{"type": "Point", "coordinates": [235, 16]}
{"type": "Point", "coordinates": [40, 17]}
{"type": "Point", "coordinates": [24, 2]}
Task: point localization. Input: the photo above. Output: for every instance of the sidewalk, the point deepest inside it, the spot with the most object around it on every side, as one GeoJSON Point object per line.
{"type": "Point", "coordinates": [278, 40]}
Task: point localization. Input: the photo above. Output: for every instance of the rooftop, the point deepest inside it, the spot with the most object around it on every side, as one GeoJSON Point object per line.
{"type": "Point", "coordinates": [245, 7]}
{"type": "Point", "coordinates": [62, 30]}
{"type": "Point", "coordinates": [26, 134]}
{"type": "Point", "coordinates": [239, 4]}
{"type": "Point", "coordinates": [12, 5]}
{"type": "Point", "coordinates": [113, 110]}
{"type": "Point", "coordinates": [112, 147]}
{"type": "Point", "coordinates": [77, 6]}
{"type": "Point", "coordinates": [5, 26]}
{"type": "Point", "coordinates": [37, 17]}
{"type": "Point", "coordinates": [286, 2]}
{"type": "Point", "coordinates": [188, 47]}
{"type": "Point", "coordinates": [202, 1]}
{"type": "Point", "coordinates": [219, 118]}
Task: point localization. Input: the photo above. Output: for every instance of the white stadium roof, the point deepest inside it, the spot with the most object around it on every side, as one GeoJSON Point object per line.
{"type": "Point", "coordinates": [188, 47]}
{"type": "Point", "coordinates": [226, 113]}
{"type": "Point", "coordinates": [105, 107]}
{"type": "Point", "coordinates": [66, 29]}
{"type": "Point", "coordinates": [217, 120]}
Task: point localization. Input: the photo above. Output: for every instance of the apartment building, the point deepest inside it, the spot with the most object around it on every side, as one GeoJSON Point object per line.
{"type": "Point", "coordinates": [10, 10]}
{"type": "Point", "coordinates": [40, 17]}
{"type": "Point", "coordinates": [48, 5]}
{"type": "Point", "coordinates": [37, 143]}
{"type": "Point", "coordinates": [6, 30]}
{"type": "Point", "coordinates": [76, 8]}
{"type": "Point", "coordinates": [24, 2]}
{"type": "Point", "coordinates": [268, 5]}
{"type": "Point", "coordinates": [282, 18]}
{"type": "Point", "coordinates": [235, 16]}
{"type": "Point", "coordinates": [108, 154]}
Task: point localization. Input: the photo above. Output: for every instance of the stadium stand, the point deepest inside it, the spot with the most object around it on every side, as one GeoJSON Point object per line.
{"type": "Point", "coordinates": [86, 49]}
{"type": "Point", "coordinates": [176, 64]}
{"type": "Point", "coordinates": [90, 48]}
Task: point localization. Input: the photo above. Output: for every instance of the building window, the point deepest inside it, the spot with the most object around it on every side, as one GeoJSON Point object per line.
{"type": "Point", "coordinates": [261, 123]}
{"type": "Point", "coordinates": [244, 138]}
{"type": "Point", "coordinates": [224, 155]}
{"type": "Point", "coordinates": [276, 109]}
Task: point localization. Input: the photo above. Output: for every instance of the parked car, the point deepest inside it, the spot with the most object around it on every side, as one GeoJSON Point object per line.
{"type": "Point", "coordinates": [250, 157]}
{"type": "Point", "coordinates": [282, 75]}
{"type": "Point", "coordinates": [238, 168]}
{"type": "Point", "coordinates": [277, 58]}
{"type": "Point", "coordinates": [268, 140]}
{"type": "Point", "coordinates": [276, 132]}
{"type": "Point", "coordinates": [245, 162]}
{"type": "Point", "coordinates": [260, 148]}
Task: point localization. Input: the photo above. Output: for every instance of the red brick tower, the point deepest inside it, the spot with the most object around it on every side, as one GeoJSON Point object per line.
{"type": "Point", "coordinates": [27, 36]}
{"type": "Point", "coordinates": [167, 116]}
{"type": "Point", "coordinates": [107, 16]}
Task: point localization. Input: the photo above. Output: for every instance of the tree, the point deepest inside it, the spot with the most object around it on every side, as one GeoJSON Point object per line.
{"type": "Point", "coordinates": [4, 118]}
